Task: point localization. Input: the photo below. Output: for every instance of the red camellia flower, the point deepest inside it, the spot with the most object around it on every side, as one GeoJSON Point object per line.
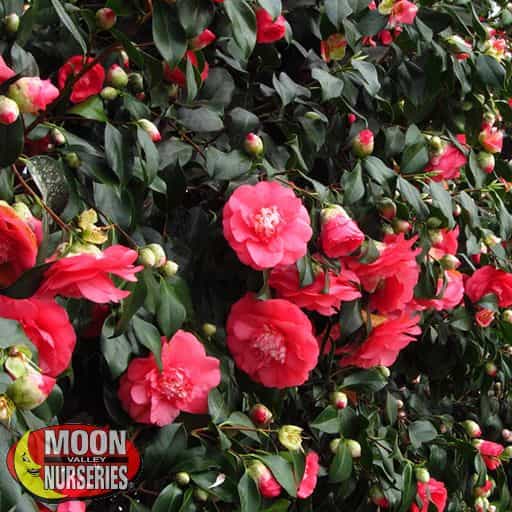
{"type": "Point", "coordinates": [491, 139]}
{"type": "Point", "coordinates": [18, 246]}
{"type": "Point", "coordinates": [87, 275]}
{"type": "Point", "coordinates": [403, 12]}
{"type": "Point", "coordinates": [484, 317]}
{"type": "Point", "coordinates": [177, 75]}
{"type": "Point", "coordinates": [269, 30]}
{"type": "Point", "coordinates": [266, 225]}
{"type": "Point", "coordinates": [32, 94]}
{"type": "Point", "coordinates": [205, 38]}
{"type": "Point", "coordinates": [88, 85]}
{"type": "Point", "coordinates": [340, 235]}
{"type": "Point", "coordinates": [450, 293]}
{"type": "Point", "coordinates": [431, 492]}
{"type": "Point", "coordinates": [47, 325]}
{"type": "Point", "coordinates": [490, 452]}
{"type": "Point", "coordinates": [447, 165]}
{"type": "Point", "coordinates": [5, 71]}
{"type": "Point", "coordinates": [487, 280]}
{"type": "Point", "coordinates": [72, 506]}
{"type": "Point", "coordinates": [446, 242]}
{"type": "Point", "coordinates": [387, 338]}
{"type": "Point", "coordinates": [324, 295]}
{"type": "Point", "coordinates": [188, 374]}
{"type": "Point", "coordinates": [391, 278]}
{"type": "Point", "coordinates": [272, 341]}
{"type": "Point", "coordinates": [308, 482]}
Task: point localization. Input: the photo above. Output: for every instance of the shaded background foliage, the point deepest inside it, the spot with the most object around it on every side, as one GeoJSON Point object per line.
{"type": "Point", "coordinates": [172, 193]}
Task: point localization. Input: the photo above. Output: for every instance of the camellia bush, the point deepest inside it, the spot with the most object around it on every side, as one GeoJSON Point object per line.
{"type": "Point", "coordinates": [270, 239]}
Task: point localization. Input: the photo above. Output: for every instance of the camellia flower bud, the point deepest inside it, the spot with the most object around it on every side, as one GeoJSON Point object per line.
{"type": "Point", "coordinates": [481, 504]}
{"type": "Point", "coordinates": [9, 111]}
{"type": "Point", "coordinates": [117, 77]}
{"type": "Point", "coordinates": [136, 82]}
{"type": "Point", "coordinates": [507, 435]}
{"type": "Point", "coordinates": [401, 225]}
{"type": "Point", "coordinates": [339, 399]}
{"type": "Point", "coordinates": [109, 93]}
{"type": "Point", "coordinates": [170, 268]}
{"type": "Point", "coordinates": [472, 428]}
{"type": "Point", "coordinates": [253, 144]}
{"type": "Point", "coordinates": [12, 23]}
{"type": "Point", "coordinates": [57, 136]}
{"type": "Point", "coordinates": [32, 94]}
{"type": "Point", "coordinates": [73, 160]}
{"type": "Point", "coordinates": [384, 371]}
{"type": "Point", "coordinates": [377, 497]}
{"type": "Point", "coordinates": [260, 415]}
{"type": "Point", "coordinates": [485, 490]}
{"type": "Point", "coordinates": [147, 257]}
{"type": "Point", "coordinates": [436, 144]}
{"type": "Point", "coordinates": [387, 208]}
{"type": "Point", "coordinates": [30, 390]}
{"type": "Point", "coordinates": [125, 60]}
{"type": "Point", "coordinates": [151, 129]}
{"type": "Point", "coordinates": [491, 369]}
{"type": "Point", "coordinates": [105, 18]}
{"type": "Point", "coordinates": [362, 143]}
{"type": "Point", "coordinates": [491, 139]}
{"type": "Point", "coordinates": [450, 262]}
{"type": "Point", "coordinates": [507, 316]}
{"type": "Point", "coordinates": [486, 161]}
{"type": "Point", "coordinates": [268, 486]}
{"type": "Point", "coordinates": [160, 256]}
{"type": "Point", "coordinates": [201, 495]}
{"type": "Point", "coordinates": [354, 448]}
{"type": "Point", "coordinates": [290, 436]}
{"type": "Point", "coordinates": [18, 362]}
{"type": "Point", "coordinates": [422, 475]}
{"type": "Point", "coordinates": [457, 210]}
{"type": "Point", "coordinates": [334, 444]}
{"type": "Point", "coordinates": [209, 330]}
{"type": "Point", "coordinates": [7, 409]}
{"type": "Point", "coordinates": [435, 236]}
{"type": "Point", "coordinates": [182, 478]}
{"type": "Point", "coordinates": [507, 453]}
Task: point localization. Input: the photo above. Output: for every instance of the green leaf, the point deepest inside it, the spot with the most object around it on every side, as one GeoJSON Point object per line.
{"type": "Point", "coordinates": [168, 34]}
{"type": "Point", "coordinates": [372, 23]}
{"type": "Point", "coordinates": [243, 25]}
{"type": "Point", "coordinates": [117, 350]}
{"type": "Point", "coordinates": [174, 152]}
{"type": "Point", "coordinates": [249, 495]}
{"type": "Point", "coordinates": [227, 166]}
{"type": "Point", "coordinates": [170, 313]}
{"type": "Point", "coordinates": [305, 268]}
{"type": "Point", "coordinates": [337, 11]}
{"type": "Point", "coordinates": [11, 142]}
{"type": "Point", "coordinates": [328, 421]}
{"type": "Point", "coordinates": [412, 195]}
{"type": "Point", "coordinates": [282, 471]}
{"type": "Point", "coordinates": [408, 489]}
{"type": "Point", "coordinates": [148, 335]}
{"type": "Point", "coordinates": [490, 71]}
{"type": "Point", "coordinates": [273, 7]}
{"type": "Point", "coordinates": [442, 199]}
{"type": "Point", "coordinates": [353, 185]}
{"type": "Point", "coordinates": [420, 432]}
{"type": "Point", "coordinates": [367, 380]}
{"type": "Point", "coordinates": [201, 119]}
{"type": "Point", "coordinates": [12, 334]}
{"type": "Point", "coordinates": [194, 15]}
{"type": "Point", "coordinates": [116, 152]}
{"type": "Point", "coordinates": [391, 408]}
{"type": "Point", "coordinates": [378, 170]}
{"type": "Point", "coordinates": [69, 24]}
{"type": "Point", "coordinates": [415, 157]}
{"type": "Point", "coordinates": [91, 108]}
{"type": "Point", "coordinates": [331, 86]}
{"type": "Point", "coordinates": [151, 156]}
{"type": "Point", "coordinates": [217, 406]}
{"type": "Point", "coordinates": [340, 468]}
{"type": "Point", "coordinates": [368, 76]}
{"type": "Point", "coordinates": [169, 500]}
{"type": "Point", "coordinates": [288, 90]}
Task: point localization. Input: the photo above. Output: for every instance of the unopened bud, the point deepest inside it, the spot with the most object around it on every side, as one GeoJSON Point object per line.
{"type": "Point", "coordinates": [401, 226]}
{"type": "Point", "coordinates": [387, 208]}
{"type": "Point", "coordinates": [377, 497]}
{"type": "Point", "coordinates": [436, 144]}
{"type": "Point", "coordinates": [491, 369]}
{"type": "Point", "coordinates": [30, 390]}
{"type": "Point", "coordinates": [354, 448]}
{"type": "Point", "coordinates": [384, 371]}
{"type": "Point", "coordinates": [105, 18]}
{"type": "Point", "coordinates": [472, 428]}
{"type": "Point", "coordinates": [363, 143]}
{"type": "Point", "coordinates": [182, 478]}
{"type": "Point", "coordinates": [9, 110]}
{"type": "Point", "coordinates": [147, 257]}
{"type": "Point", "coordinates": [170, 268]}
{"type": "Point", "coordinates": [334, 444]}
{"type": "Point", "coordinates": [450, 262]}
{"type": "Point", "coordinates": [422, 475]}
{"type": "Point", "coordinates": [486, 161]}
{"type": "Point", "coordinates": [201, 495]}
{"type": "Point", "coordinates": [507, 316]}
{"type": "Point", "coordinates": [160, 256]}
{"type": "Point", "coordinates": [7, 409]}
{"type": "Point", "coordinates": [151, 129]}
{"type": "Point", "coordinates": [12, 23]}
{"type": "Point", "coordinates": [18, 362]}
{"type": "Point", "coordinates": [457, 210]}
{"type": "Point", "coordinates": [136, 82]}
{"type": "Point", "coordinates": [290, 436]}
{"type": "Point", "coordinates": [57, 136]}
{"type": "Point", "coordinates": [436, 236]}
{"type": "Point", "coordinates": [507, 453]}
{"type": "Point", "coordinates": [109, 93]}
{"type": "Point", "coordinates": [253, 144]}
{"type": "Point", "coordinates": [117, 77]}
{"type": "Point", "coordinates": [73, 160]}
{"type": "Point", "coordinates": [209, 330]}
{"type": "Point", "coordinates": [260, 415]}
{"type": "Point", "coordinates": [339, 400]}
{"type": "Point", "coordinates": [507, 435]}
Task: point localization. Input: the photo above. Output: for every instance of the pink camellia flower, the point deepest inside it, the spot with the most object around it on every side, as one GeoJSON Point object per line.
{"type": "Point", "coordinates": [157, 397]}
{"type": "Point", "coordinates": [32, 94]}
{"type": "Point", "coordinates": [272, 341]}
{"type": "Point", "coordinates": [267, 484]}
{"type": "Point", "coordinates": [339, 235]}
{"type": "Point", "coordinates": [363, 143]}
{"type": "Point", "coordinates": [89, 84]}
{"type": "Point", "coordinates": [484, 317]}
{"type": "Point", "coordinates": [177, 75]}
{"type": "Point", "coordinates": [431, 492]}
{"type": "Point", "coordinates": [308, 482]}
{"type": "Point", "coordinates": [447, 165]}
{"type": "Point", "coordinates": [333, 48]}
{"type": "Point", "coordinates": [266, 225]}
{"type": "Point", "coordinates": [490, 452]}
{"type": "Point", "coordinates": [445, 242]}
{"type": "Point", "coordinates": [403, 12]}
{"type": "Point", "coordinates": [450, 293]}
{"type": "Point", "coordinates": [46, 324]}
{"type": "Point", "coordinates": [385, 37]}
{"type": "Point", "coordinates": [391, 278]}
{"type": "Point", "coordinates": [87, 275]}
{"type": "Point", "coordinates": [491, 139]}
{"type": "Point", "coordinates": [31, 389]}
{"type": "Point", "coordinates": [204, 39]}
{"type": "Point", "coordinates": [324, 295]}
{"type": "Point", "coordinates": [5, 71]}
{"type": "Point", "coordinates": [387, 338]}
{"type": "Point", "coordinates": [72, 506]}
{"type": "Point", "coordinates": [9, 111]}
{"type": "Point", "coordinates": [267, 29]}
{"type": "Point", "coordinates": [489, 279]}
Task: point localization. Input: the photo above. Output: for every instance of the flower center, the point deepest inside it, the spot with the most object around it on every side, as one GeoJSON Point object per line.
{"type": "Point", "coordinates": [271, 344]}
{"type": "Point", "coordinates": [175, 384]}
{"type": "Point", "coordinates": [266, 221]}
